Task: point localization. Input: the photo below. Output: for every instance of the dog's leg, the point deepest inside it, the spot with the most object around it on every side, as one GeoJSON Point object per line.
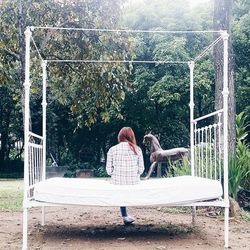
{"type": "Point", "coordinates": [151, 169]}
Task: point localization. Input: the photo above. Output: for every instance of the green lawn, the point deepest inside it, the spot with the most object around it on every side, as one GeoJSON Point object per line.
{"type": "Point", "coordinates": [11, 195]}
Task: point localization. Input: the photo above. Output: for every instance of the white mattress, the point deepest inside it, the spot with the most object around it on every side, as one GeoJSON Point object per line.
{"type": "Point", "coordinates": [99, 192]}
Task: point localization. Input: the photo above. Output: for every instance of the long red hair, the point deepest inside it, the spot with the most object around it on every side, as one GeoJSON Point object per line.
{"type": "Point", "coordinates": [126, 134]}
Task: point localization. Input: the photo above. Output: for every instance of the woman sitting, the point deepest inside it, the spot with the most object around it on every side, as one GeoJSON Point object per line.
{"type": "Point", "coordinates": [125, 164]}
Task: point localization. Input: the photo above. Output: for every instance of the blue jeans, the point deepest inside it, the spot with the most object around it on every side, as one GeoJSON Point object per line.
{"type": "Point", "coordinates": [123, 211]}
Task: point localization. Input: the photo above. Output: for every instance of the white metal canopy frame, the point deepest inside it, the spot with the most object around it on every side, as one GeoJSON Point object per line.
{"type": "Point", "coordinates": [209, 148]}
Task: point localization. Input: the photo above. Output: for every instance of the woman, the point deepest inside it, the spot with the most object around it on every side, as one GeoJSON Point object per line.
{"type": "Point", "coordinates": [125, 164]}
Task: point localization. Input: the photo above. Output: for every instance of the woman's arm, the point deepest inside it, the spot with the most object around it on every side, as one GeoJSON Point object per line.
{"type": "Point", "coordinates": [109, 163]}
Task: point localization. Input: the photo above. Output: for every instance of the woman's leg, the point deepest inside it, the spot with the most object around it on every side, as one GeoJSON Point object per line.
{"type": "Point", "coordinates": [126, 219]}
{"type": "Point", "coordinates": [123, 211]}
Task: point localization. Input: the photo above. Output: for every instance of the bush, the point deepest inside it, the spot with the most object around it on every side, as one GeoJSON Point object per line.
{"type": "Point", "coordinates": [179, 168]}
{"type": "Point", "coordinates": [239, 162]}
{"type": "Point", "coordinates": [11, 169]}
{"type": "Point", "coordinates": [98, 168]}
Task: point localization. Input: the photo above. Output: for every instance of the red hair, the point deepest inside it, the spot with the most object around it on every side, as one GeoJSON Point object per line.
{"type": "Point", "coordinates": [126, 134]}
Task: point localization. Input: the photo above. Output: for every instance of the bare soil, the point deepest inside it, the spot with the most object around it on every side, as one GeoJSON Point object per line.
{"type": "Point", "coordinates": [102, 228]}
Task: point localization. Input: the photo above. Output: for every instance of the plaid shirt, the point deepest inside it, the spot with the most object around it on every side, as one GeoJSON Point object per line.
{"type": "Point", "coordinates": [124, 166]}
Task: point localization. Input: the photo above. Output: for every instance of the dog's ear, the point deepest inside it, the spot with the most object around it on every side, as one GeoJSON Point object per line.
{"type": "Point", "coordinates": [148, 131]}
{"type": "Point", "coordinates": [158, 136]}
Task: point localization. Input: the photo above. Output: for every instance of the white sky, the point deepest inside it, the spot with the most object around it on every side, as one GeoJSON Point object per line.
{"type": "Point", "coordinates": [194, 3]}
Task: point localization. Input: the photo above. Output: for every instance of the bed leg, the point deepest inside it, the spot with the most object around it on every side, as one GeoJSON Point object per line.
{"type": "Point", "coordinates": [226, 226]}
{"type": "Point", "coordinates": [25, 229]}
{"type": "Point", "coordinates": [43, 216]}
{"type": "Point", "coordinates": [194, 215]}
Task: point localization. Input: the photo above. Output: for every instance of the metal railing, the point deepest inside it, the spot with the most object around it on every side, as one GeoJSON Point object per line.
{"type": "Point", "coordinates": [35, 158]}
{"type": "Point", "coordinates": [208, 146]}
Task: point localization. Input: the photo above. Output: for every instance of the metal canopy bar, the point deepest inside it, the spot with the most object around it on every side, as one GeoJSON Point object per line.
{"type": "Point", "coordinates": [36, 48]}
{"type": "Point", "coordinates": [208, 115]}
{"type": "Point", "coordinates": [205, 50]}
{"type": "Point", "coordinates": [128, 30]}
{"type": "Point", "coordinates": [115, 61]}
{"type": "Point", "coordinates": [35, 135]}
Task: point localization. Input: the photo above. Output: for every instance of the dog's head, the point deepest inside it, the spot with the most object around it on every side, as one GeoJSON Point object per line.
{"type": "Point", "coordinates": [147, 139]}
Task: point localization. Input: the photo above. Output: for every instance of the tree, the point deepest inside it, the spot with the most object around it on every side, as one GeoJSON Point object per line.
{"type": "Point", "coordinates": [162, 91]}
{"type": "Point", "coordinates": [11, 119]}
{"type": "Point", "coordinates": [222, 21]}
{"type": "Point", "coordinates": [88, 91]}
{"type": "Point", "coordinates": [88, 104]}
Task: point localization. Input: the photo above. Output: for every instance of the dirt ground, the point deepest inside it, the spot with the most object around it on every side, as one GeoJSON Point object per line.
{"type": "Point", "coordinates": [101, 228]}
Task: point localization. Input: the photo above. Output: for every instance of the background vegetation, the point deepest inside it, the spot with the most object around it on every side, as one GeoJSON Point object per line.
{"type": "Point", "coordinates": [89, 103]}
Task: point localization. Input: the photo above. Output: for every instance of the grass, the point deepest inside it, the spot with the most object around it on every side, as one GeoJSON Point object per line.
{"type": "Point", "coordinates": [11, 195]}
{"type": "Point", "coordinates": [245, 215]}
{"type": "Point", "coordinates": [176, 210]}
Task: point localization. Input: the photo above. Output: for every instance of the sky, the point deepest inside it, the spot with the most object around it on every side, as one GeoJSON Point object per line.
{"type": "Point", "coordinates": [194, 3]}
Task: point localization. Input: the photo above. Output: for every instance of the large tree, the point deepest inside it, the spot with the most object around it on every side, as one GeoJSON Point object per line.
{"type": "Point", "coordinates": [89, 92]}
{"type": "Point", "coordinates": [222, 21]}
{"type": "Point", "coordinates": [163, 90]}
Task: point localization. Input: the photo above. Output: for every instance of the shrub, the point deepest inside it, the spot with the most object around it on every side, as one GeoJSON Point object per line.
{"type": "Point", "coordinates": [239, 162]}
{"type": "Point", "coordinates": [179, 168]}
{"type": "Point", "coordinates": [98, 168]}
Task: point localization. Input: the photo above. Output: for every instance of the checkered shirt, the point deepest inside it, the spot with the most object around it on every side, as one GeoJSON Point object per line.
{"type": "Point", "coordinates": [123, 165]}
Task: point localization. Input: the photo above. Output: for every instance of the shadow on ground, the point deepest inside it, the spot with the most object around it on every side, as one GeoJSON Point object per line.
{"type": "Point", "coordinates": [116, 231]}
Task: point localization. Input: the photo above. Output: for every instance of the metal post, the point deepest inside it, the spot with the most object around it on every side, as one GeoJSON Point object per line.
{"type": "Point", "coordinates": [225, 130]}
{"type": "Point", "coordinates": [26, 135]}
{"type": "Point", "coordinates": [44, 105]}
{"type": "Point", "coordinates": [191, 106]}
{"type": "Point", "coordinates": [25, 228]}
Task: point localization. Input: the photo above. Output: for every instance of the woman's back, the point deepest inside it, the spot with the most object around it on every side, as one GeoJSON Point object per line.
{"type": "Point", "coordinates": [124, 165]}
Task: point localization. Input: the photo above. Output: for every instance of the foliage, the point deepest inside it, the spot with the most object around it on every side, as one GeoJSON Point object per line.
{"type": "Point", "coordinates": [97, 168]}
{"type": "Point", "coordinates": [245, 215]}
{"type": "Point", "coordinates": [88, 93]}
{"type": "Point", "coordinates": [11, 130]}
{"type": "Point", "coordinates": [89, 103]}
{"type": "Point", "coordinates": [235, 177]}
{"type": "Point", "coordinates": [243, 155]}
{"type": "Point", "coordinates": [241, 44]}
{"type": "Point", "coordinates": [241, 126]}
{"type": "Point", "coordinates": [91, 91]}
{"type": "Point", "coordinates": [179, 168]}
{"type": "Point", "coordinates": [162, 91]}
{"type": "Point", "coordinates": [239, 163]}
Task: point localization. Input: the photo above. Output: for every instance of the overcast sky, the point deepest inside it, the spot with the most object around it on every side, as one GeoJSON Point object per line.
{"type": "Point", "coordinates": [193, 3]}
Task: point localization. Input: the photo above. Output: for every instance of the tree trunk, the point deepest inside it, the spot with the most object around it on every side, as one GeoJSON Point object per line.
{"type": "Point", "coordinates": [222, 21]}
{"type": "Point", "coordinates": [22, 26]}
{"type": "Point", "coordinates": [4, 140]}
